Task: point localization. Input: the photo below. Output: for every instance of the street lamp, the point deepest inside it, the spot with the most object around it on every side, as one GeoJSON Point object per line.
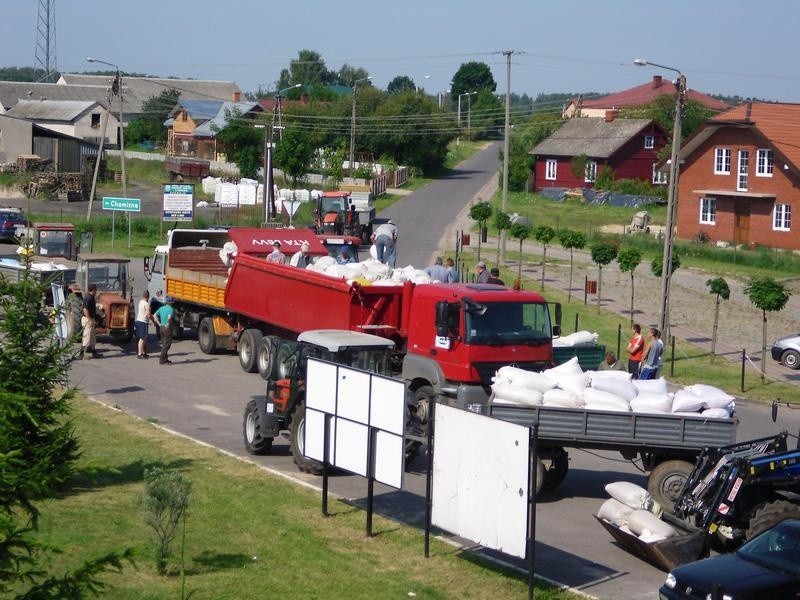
{"type": "Point", "coordinates": [116, 90]}
{"type": "Point", "coordinates": [672, 196]}
{"type": "Point", "coordinates": [277, 106]}
{"type": "Point", "coordinates": [459, 104]}
{"type": "Point", "coordinates": [353, 125]}
{"type": "Point", "coordinates": [419, 88]}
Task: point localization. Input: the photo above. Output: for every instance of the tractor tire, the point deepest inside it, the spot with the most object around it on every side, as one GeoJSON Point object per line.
{"type": "Point", "coordinates": [254, 443]}
{"type": "Point", "coordinates": [286, 358]}
{"type": "Point", "coordinates": [73, 314]}
{"type": "Point", "coordinates": [297, 431]}
{"type": "Point", "coordinates": [248, 350]}
{"type": "Point", "coordinates": [791, 359]}
{"type": "Point", "coordinates": [555, 474]}
{"type": "Point", "coordinates": [206, 336]}
{"type": "Point", "coordinates": [769, 514]}
{"type": "Point", "coordinates": [666, 482]}
{"type": "Point", "coordinates": [267, 348]}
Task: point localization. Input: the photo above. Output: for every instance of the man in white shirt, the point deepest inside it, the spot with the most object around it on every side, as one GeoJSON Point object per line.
{"type": "Point", "coordinates": [301, 259]}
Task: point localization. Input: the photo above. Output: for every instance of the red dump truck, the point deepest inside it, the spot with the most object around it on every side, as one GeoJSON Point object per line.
{"type": "Point", "coordinates": [449, 338]}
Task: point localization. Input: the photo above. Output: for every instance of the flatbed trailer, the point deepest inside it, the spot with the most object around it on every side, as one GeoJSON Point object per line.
{"type": "Point", "coordinates": [667, 444]}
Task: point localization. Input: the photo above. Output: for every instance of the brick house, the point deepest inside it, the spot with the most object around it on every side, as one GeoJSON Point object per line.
{"type": "Point", "coordinates": [740, 177]}
{"type": "Point", "coordinates": [628, 146]}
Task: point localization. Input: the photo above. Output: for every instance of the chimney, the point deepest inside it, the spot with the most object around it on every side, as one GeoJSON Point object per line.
{"type": "Point", "coordinates": [748, 111]}
{"type": "Point", "coordinates": [656, 81]}
{"type": "Point", "coordinates": [611, 115]}
{"type": "Point", "coordinates": [237, 96]}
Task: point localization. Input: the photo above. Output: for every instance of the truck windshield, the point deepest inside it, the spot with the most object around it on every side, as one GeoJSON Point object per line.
{"type": "Point", "coordinates": [506, 323]}
{"type": "Point", "coordinates": [55, 243]}
{"type": "Point", "coordinates": [111, 276]}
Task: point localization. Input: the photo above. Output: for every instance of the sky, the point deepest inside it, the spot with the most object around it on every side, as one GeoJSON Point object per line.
{"type": "Point", "coordinates": [721, 46]}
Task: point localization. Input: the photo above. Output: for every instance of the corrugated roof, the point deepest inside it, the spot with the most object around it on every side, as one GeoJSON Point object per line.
{"type": "Point", "coordinates": [51, 110]}
{"type": "Point", "coordinates": [210, 127]}
{"type": "Point", "coordinates": [777, 122]}
{"type": "Point", "coordinates": [198, 110]}
{"type": "Point", "coordinates": [593, 137]}
{"type": "Point", "coordinates": [646, 93]}
{"type": "Point", "coordinates": [12, 92]}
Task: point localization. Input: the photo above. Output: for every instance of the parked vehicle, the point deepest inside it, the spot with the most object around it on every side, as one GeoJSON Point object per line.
{"type": "Point", "coordinates": [180, 167]}
{"type": "Point", "coordinates": [667, 444]}
{"type": "Point", "coordinates": [10, 219]}
{"type": "Point", "coordinates": [768, 566]}
{"type": "Point", "coordinates": [283, 407]}
{"type": "Point", "coordinates": [786, 350]}
{"type": "Point", "coordinates": [49, 240]}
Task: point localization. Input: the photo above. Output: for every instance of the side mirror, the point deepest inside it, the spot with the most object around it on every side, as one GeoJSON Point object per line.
{"type": "Point", "coordinates": [147, 264]}
{"type": "Point", "coordinates": [558, 314]}
{"type": "Point", "coordinates": [774, 411]}
{"type": "Point", "coordinates": [556, 330]}
{"type": "Point", "coordinates": [442, 328]}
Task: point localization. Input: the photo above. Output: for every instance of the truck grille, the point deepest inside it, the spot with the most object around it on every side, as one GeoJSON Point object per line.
{"type": "Point", "coordinates": [487, 370]}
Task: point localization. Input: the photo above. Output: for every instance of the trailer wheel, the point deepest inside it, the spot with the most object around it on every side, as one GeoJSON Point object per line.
{"type": "Point", "coordinates": [540, 475]}
{"type": "Point", "coordinates": [556, 472]}
{"type": "Point", "coordinates": [666, 482]}
{"type": "Point", "coordinates": [267, 348]}
{"type": "Point", "coordinates": [206, 336]}
{"type": "Point", "coordinates": [254, 443]}
{"type": "Point", "coordinates": [769, 514]}
{"type": "Point", "coordinates": [297, 432]}
{"type": "Point", "coordinates": [791, 359]}
{"type": "Point", "coordinates": [248, 350]}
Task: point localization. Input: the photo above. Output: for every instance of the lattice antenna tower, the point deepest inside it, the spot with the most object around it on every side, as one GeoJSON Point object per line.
{"type": "Point", "coordinates": [45, 61]}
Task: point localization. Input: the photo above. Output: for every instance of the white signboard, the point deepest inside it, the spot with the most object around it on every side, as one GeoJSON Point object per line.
{"type": "Point", "coordinates": [480, 490]}
{"type": "Point", "coordinates": [178, 201]}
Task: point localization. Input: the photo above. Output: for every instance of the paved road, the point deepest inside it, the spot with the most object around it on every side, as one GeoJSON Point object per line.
{"type": "Point", "coordinates": [571, 547]}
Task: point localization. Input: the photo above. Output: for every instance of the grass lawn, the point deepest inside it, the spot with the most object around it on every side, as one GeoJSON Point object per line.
{"type": "Point", "coordinates": [249, 534]}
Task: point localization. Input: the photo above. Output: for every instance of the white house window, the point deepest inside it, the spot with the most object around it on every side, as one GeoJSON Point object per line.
{"type": "Point", "coordinates": [649, 142]}
{"type": "Point", "coordinates": [659, 177]}
{"type": "Point", "coordinates": [763, 162]}
{"type": "Point", "coordinates": [591, 172]}
{"type": "Point", "coordinates": [744, 166]}
{"type": "Point", "coordinates": [782, 220]}
{"type": "Point", "coordinates": [722, 161]}
{"type": "Point", "coordinates": [708, 211]}
{"type": "Point", "coordinates": [551, 168]}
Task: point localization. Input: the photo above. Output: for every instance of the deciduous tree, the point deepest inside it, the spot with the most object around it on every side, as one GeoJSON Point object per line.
{"type": "Point", "coordinates": [770, 296]}
{"type": "Point", "coordinates": [480, 212]}
{"type": "Point", "coordinates": [571, 240]}
{"type": "Point", "coordinates": [544, 234]}
{"type": "Point", "coordinates": [602, 254]}
{"type": "Point", "coordinates": [719, 287]}
{"type": "Point", "coordinates": [628, 260]}
{"type": "Point", "coordinates": [521, 232]}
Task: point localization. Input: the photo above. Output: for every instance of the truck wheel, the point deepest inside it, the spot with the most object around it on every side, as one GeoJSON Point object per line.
{"type": "Point", "coordinates": [206, 336]}
{"type": "Point", "coordinates": [540, 475]}
{"type": "Point", "coordinates": [267, 348]}
{"type": "Point", "coordinates": [248, 350]}
{"type": "Point", "coordinates": [423, 396]}
{"type": "Point", "coordinates": [297, 432]}
{"type": "Point", "coordinates": [251, 431]}
{"type": "Point", "coordinates": [666, 482]}
{"type": "Point", "coordinates": [791, 359]}
{"type": "Point", "coordinates": [556, 472]}
{"type": "Point", "coordinates": [770, 514]}
{"type": "Point", "coordinates": [177, 330]}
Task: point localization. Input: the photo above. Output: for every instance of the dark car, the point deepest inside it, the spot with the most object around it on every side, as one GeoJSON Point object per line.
{"type": "Point", "coordinates": [766, 567]}
{"type": "Point", "coordinates": [786, 350]}
{"type": "Point", "coordinates": [9, 219]}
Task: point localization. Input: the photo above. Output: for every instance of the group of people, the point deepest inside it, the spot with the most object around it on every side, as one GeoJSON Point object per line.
{"type": "Point", "coordinates": [162, 319]}
{"type": "Point", "coordinates": [443, 271]}
{"type": "Point", "coordinates": [300, 259]}
{"type": "Point", "coordinates": [482, 275]}
{"type": "Point", "coordinates": [645, 356]}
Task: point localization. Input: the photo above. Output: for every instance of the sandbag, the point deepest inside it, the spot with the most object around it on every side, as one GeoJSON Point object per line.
{"type": "Point", "coordinates": [571, 367]}
{"type": "Point", "coordinates": [563, 398]}
{"type": "Point", "coordinates": [611, 374]}
{"type": "Point", "coordinates": [641, 521]}
{"type": "Point", "coordinates": [610, 406]}
{"type": "Point", "coordinates": [517, 394]}
{"type": "Point", "coordinates": [579, 338]}
{"type": "Point", "coordinates": [629, 494]}
{"type": "Point", "coordinates": [686, 401]}
{"type": "Point", "coordinates": [618, 386]}
{"type": "Point", "coordinates": [715, 413]}
{"type": "Point", "coordinates": [708, 392]}
{"type": "Point", "coordinates": [656, 386]}
{"type": "Point", "coordinates": [614, 511]}
{"type": "Point", "coordinates": [527, 379]}
{"type": "Point", "coordinates": [574, 383]}
{"type": "Point", "coordinates": [652, 403]}
{"type": "Point", "coordinates": [593, 396]}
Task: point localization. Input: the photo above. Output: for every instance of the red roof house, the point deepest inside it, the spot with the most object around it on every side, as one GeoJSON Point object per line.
{"type": "Point", "coordinates": [628, 146]}
{"type": "Point", "coordinates": [740, 177]}
{"type": "Point", "coordinates": [635, 96]}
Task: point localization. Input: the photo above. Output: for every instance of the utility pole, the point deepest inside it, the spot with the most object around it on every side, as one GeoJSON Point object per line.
{"type": "Point", "coordinates": [506, 129]}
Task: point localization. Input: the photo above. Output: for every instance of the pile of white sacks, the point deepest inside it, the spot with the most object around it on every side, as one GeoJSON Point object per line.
{"type": "Point", "coordinates": [369, 271]}
{"type": "Point", "coordinates": [633, 510]}
{"type": "Point", "coordinates": [568, 386]}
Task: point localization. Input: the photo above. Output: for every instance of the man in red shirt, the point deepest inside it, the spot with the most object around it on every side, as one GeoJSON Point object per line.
{"type": "Point", "coordinates": [635, 349]}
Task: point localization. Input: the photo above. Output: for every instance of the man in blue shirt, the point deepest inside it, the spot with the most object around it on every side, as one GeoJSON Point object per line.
{"type": "Point", "coordinates": [653, 355]}
{"type": "Point", "coordinates": [163, 318]}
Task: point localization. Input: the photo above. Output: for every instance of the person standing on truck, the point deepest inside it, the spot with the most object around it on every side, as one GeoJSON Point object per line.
{"type": "Point", "coordinates": [652, 356]}
{"type": "Point", "coordinates": [437, 271]}
{"type": "Point", "coordinates": [276, 256]}
{"type": "Point", "coordinates": [88, 323]}
{"type": "Point", "coordinates": [482, 274]}
{"type": "Point", "coordinates": [301, 259]}
{"type": "Point", "coordinates": [452, 272]}
{"type": "Point", "coordinates": [635, 350]}
{"type": "Point", "coordinates": [163, 319]}
{"type": "Point", "coordinates": [143, 318]}
{"type": "Point", "coordinates": [385, 238]}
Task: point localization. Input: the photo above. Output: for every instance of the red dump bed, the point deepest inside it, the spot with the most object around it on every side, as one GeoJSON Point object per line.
{"type": "Point", "coordinates": [299, 300]}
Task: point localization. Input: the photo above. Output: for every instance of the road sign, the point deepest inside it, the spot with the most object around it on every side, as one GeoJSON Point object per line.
{"type": "Point", "coordinates": [123, 204]}
{"type": "Point", "coordinates": [178, 202]}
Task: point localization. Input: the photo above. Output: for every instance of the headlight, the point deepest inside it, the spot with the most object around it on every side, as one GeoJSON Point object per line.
{"type": "Point", "coordinates": [671, 582]}
{"type": "Point", "coordinates": [476, 408]}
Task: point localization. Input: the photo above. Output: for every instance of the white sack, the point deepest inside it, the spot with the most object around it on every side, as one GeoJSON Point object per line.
{"type": "Point", "coordinates": [647, 402]}
{"type": "Point", "coordinates": [526, 379]}
{"type": "Point", "coordinates": [715, 413]}
{"type": "Point", "coordinates": [563, 398]}
{"type": "Point", "coordinates": [574, 383]}
{"type": "Point", "coordinates": [593, 396]}
{"type": "Point", "coordinates": [571, 367]}
{"type": "Point", "coordinates": [629, 494]}
{"type": "Point", "coordinates": [656, 386]}
{"type": "Point", "coordinates": [614, 511]}
{"type": "Point", "coordinates": [618, 386]}
{"type": "Point", "coordinates": [641, 521]}
{"type": "Point", "coordinates": [579, 338]}
{"type": "Point", "coordinates": [610, 406]}
{"type": "Point", "coordinates": [686, 401]}
{"type": "Point", "coordinates": [517, 394]}
{"type": "Point", "coordinates": [708, 392]}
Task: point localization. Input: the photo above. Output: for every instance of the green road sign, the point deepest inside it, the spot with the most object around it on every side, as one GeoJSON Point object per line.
{"type": "Point", "coordinates": [124, 204]}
